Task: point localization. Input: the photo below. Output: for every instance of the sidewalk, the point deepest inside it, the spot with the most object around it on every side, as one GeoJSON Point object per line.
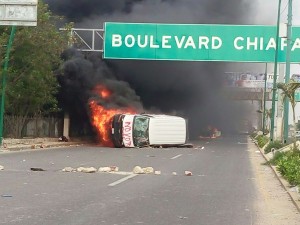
{"type": "Point", "coordinates": [291, 191]}
{"type": "Point", "coordinates": [36, 143]}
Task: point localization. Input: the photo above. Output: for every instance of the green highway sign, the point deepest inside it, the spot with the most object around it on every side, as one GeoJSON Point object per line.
{"type": "Point", "coordinates": [197, 42]}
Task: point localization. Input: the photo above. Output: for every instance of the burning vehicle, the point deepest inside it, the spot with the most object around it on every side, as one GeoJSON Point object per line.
{"type": "Point", "coordinates": [140, 130]}
{"type": "Point", "coordinates": [124, 127]}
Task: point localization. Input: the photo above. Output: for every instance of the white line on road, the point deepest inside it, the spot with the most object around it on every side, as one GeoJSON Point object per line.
{"type": "Point", "coordinates": [122, 180]}
{"type": "Point", "coordinates": [177, 156]}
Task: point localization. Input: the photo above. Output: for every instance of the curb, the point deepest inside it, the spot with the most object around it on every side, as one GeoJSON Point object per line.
{"type": "Point", "coordinates": [39, 146]}
{"type": "Point", "coordinates": [283, 182]}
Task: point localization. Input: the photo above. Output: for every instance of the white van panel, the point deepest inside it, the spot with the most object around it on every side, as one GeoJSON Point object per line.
{"type": "Point", "coordinates": [127, 130]}
{"type": "Point", "coordinates": [167, 130]}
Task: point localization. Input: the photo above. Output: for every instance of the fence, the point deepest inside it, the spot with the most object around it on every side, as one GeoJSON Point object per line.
{"type": "Point", "coordinates": [19, 127]}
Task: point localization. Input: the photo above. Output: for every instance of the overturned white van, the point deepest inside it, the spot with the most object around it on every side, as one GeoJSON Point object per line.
{"type": "Point", "coordinates": [141, 130]}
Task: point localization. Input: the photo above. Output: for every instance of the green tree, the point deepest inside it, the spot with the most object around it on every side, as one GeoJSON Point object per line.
{"type": "Point", "coordinates": [288, 91]}
{"type": "Point", "coordinates": [268, 115]}
{"type": "Point", "coordinates": [31, 84]}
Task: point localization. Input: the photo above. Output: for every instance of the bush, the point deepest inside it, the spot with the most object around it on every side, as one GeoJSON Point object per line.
{"type": "Point", "coordinates": [277, 156]}
{"type": "Point", "coordinates": [262, 140]}
{"type": "Point", "coordinates": [289, 166]}
{"type": "Point", "coordinates": [275, 145]}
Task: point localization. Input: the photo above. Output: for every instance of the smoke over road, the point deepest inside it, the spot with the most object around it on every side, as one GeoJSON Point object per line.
{"type": "Point", "coordinates": [190, 89]}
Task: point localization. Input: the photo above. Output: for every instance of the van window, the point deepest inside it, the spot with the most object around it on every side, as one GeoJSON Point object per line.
{"type": "Point", "coordinates": [141, 131]}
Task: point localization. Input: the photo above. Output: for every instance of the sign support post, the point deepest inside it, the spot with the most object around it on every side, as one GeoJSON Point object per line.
{"type": "Point", "coordinates": [5, 67]}
{"type": "Point", "coordinates": [287, 71]}
{"type": "Point", "coordinates": [275, 75]}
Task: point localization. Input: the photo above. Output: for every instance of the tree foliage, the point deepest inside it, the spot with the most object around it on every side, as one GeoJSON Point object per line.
{"type": "Point", "coordinates": [31, 84]}
{"type": "Point", "coordinates": [288, 91]}
{"type": "Point", "coordinates": [35, 55]}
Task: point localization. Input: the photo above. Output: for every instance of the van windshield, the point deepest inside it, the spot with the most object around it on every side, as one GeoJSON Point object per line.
{"type": "Point", "coordinates": [141, 131]}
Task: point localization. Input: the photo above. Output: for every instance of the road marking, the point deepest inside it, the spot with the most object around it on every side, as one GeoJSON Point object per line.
{"type": "Point", "coordinates": [177, 156]}
{"type": "Point", "coordinates": [122, 180]}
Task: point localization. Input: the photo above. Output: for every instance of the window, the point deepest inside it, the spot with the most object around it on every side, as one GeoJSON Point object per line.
{"type": "Point", "coordinates": [141, 131]}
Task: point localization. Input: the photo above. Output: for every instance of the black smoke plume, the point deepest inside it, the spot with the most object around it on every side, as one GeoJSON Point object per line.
{"type": "Point", "coordinates": [189, 89]}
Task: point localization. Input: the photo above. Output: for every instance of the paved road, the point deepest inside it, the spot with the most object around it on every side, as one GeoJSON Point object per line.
{"type": "Point", "coordinates": [220, 192]}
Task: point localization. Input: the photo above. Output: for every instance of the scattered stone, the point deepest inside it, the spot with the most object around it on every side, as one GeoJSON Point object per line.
{"type": "Point", "coordinates": [4, 145]}
{"type": "Point", "coordinates": [1, 167]}
{"type": "Point", "coordinates": [88, 169]}
{"type": "Point", "coordinates": [33, 146]}
{"type": "Point", "coordinates": [148, 170]}
{"type": "Point", "coordinates": [42, 146]}
{"type": "Point", "coordinates": [138, 170]}
{"type": "Point", "coordinates": [174, 173]}
{"type": "Point", "coordinates": [79, 169]}
{"type": "Point", "coordinates": [104, 169]}
{"type": "Point", "coordinates": [188, 173]}
{"type": "Point", "coordinates": [157, 172]}
{"type": "Point", "coordinates": [114, 168]}
{"type": "Point", "coordinates": [68, 169]}
{"type": "Point", "coordinates": [293, 189]}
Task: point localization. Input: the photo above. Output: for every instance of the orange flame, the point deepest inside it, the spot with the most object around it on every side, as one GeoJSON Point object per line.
{"type": "Point", "coordinates": [101, 117]}
{"type": "Point", "coordinates": [102, 91]}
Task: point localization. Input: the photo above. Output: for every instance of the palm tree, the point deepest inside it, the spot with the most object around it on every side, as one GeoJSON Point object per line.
{"type": "Point", "coordinates": [268, 118]}
{"type": "Point", "coordinates": [288, 91]}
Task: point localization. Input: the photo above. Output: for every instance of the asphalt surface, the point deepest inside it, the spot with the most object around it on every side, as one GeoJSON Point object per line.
{"type": "Point", "coordinates": [220, 191]}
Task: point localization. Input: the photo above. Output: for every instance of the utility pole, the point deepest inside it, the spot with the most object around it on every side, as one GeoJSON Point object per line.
{"type": "Point", "coordinates": [287, 71]}
{"type": "Point", "coordinates": [264, 105]}
{"type": "Point", "coordinates": [274, 89]}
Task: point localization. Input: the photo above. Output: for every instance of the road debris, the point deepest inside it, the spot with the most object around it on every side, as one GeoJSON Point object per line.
{"type": "Point", "coordinates": [63, 138]}
{"type": "Point", "coordinates": [138, 170]}
{"type": "Point", "coordinates": [69, 169]}
{"type": "Point", "coordinates": [114, 168]}
{"type": "Point", "coordinates": [87, 169]}
{"type": "Point", "coordinates": [174, 173]}
{"type": "Point", "coordinates": [104, 169]}
{"type": "Point", "coordinates": [148, 170]}
{"type": "Point", "coordinates": [1, 167]}
{"type": "Point", "coordinates": [6, 196]}
{"type": "Point", "coordinates": [188, 173]}
{"type": "Point", "coordinates": [182, 217]}
{"type": "Point", "coordinates": [36, 169]}
{"type": "Point", "coordinates": [157, 172]}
